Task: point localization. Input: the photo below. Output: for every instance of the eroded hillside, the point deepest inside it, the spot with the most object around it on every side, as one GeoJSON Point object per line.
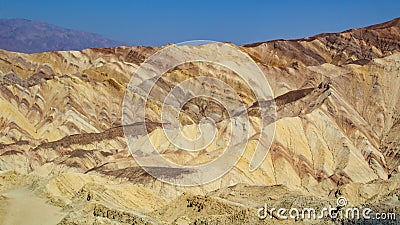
{"type": "Point", "coordinates": [337, 130]}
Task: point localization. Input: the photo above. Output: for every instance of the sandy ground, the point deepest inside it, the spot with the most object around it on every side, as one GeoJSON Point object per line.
{"type": "Point", "coordinates": [21, 206]}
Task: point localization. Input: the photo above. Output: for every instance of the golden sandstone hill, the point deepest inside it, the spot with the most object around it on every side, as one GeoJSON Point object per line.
{"type": "Point", "coordinates": [337, 133]}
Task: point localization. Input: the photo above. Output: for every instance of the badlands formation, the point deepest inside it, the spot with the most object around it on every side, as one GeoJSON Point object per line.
{"type": "Point", "coordinates": [337, 132]}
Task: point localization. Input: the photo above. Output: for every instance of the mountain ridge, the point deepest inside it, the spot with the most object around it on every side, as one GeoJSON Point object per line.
{"type": "Point", "coordinates": [29, 36]}
{"type": "Point", "coordinates": [391, 23]}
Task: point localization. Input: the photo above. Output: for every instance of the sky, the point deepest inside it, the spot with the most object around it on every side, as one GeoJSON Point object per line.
{"type": "Point", "coordinates": [241, 22]}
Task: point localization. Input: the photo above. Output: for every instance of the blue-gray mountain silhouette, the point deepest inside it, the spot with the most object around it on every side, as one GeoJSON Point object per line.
{"type": "Point", "coordinates": [21, 35]}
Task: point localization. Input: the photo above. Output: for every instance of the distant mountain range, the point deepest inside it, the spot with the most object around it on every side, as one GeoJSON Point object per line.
{"type": "Point", "coordinates": [21, 35]}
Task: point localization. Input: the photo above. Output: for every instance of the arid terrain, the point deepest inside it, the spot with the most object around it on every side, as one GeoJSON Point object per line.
{"type": "Point", "coordinates": [337, 96]}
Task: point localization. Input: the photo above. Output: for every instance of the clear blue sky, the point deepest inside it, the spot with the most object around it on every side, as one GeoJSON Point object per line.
{"type": "Point", "coordinates": [161, 22]}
